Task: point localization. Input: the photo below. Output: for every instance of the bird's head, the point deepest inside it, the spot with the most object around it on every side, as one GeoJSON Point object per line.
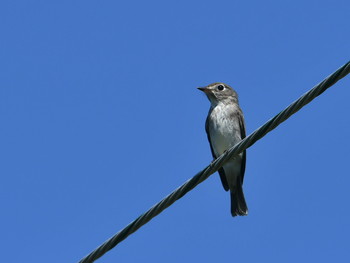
{"type": "Point", "coordinates": [220, 92]}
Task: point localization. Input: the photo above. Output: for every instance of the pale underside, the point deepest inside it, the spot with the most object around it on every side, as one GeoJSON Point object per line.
{"type": "Point", "coordinates": [224, 129]}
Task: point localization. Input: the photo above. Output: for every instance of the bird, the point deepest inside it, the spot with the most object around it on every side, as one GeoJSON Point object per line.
{"type": "Point", "coordinates": [225, 127]}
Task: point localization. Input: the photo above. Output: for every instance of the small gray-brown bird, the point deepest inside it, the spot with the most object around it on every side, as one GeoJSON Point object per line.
{"type": "Point", "coordinates": [225, 127]}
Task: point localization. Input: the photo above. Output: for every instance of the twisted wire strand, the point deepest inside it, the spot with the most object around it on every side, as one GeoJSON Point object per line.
{"type": "Point", "coordinates": [218, 163]}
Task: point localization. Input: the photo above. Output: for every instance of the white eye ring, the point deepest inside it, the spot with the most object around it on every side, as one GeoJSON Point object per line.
{"type": "Point", "coordinates": [221, 87]}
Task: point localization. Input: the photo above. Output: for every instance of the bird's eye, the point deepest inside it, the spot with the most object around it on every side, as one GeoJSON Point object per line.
{"type": "Point", "coordinates": [221, 87]}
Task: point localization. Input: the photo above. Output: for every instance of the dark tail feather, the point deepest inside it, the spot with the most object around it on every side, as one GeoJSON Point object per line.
{"type": "Point", "coordinates": [238, 204]}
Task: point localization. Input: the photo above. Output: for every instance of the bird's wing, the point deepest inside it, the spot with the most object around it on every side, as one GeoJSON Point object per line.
{"type": "Point", "coordinates": [221, 170]}
{"type": "Point", "coordinates": [243, 135]}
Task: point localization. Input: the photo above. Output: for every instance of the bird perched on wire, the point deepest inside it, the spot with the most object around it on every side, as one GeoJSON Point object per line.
{"type": "Point", "coordinates": [225, 127]}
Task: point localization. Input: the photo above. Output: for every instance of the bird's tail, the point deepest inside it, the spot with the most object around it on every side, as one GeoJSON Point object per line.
{"type": "Point", "coordinates": [238, 204]}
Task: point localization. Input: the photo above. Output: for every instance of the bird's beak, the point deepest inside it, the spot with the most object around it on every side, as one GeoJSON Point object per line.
{"type": "Point", "coordinates": [205, 89]}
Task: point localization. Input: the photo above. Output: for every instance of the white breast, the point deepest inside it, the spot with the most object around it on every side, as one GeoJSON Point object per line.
{"type": "Point", "coordinates": [224, 128]}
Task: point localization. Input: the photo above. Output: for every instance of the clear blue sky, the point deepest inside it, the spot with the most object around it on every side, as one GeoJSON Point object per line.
{"type": "Point", "coordinates": [100, 119]}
